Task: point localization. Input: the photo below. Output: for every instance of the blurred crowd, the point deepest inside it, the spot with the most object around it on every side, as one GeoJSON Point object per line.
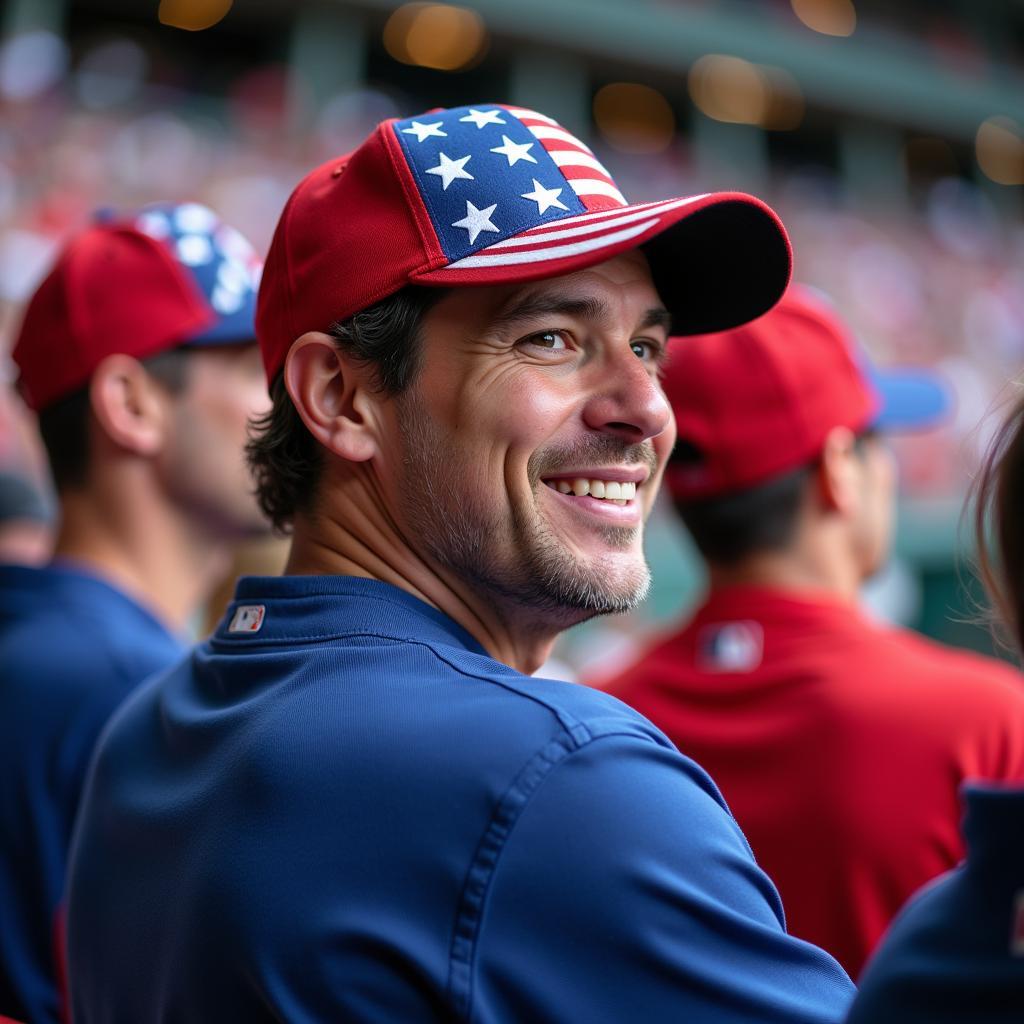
{"type": "Point", "coordinates": [941, 285]}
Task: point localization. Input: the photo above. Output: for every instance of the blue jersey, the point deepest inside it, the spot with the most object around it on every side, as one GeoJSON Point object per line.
{"type": "Point", "coordinates": [956, 952]}
{"type": "Point", "coordinates": [340, 808]}
{"type": "Point", "coordinates": [71, 648]}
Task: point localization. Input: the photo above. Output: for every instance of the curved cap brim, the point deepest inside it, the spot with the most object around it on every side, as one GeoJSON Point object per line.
{"type": "Point", "coordinates": [910, 399]}
{"type": "Point", "coordinates": [718, 260]}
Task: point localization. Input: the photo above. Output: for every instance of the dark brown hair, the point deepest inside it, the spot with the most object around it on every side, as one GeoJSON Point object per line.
{"type": "Point", "coordinates": [728, 528]}
{"type": "Point", "coordinates": [998, 493]}
{"type": "Point", "coordinates": [285, 459]}
{"type": "Point", "coordinates": [731, 527]}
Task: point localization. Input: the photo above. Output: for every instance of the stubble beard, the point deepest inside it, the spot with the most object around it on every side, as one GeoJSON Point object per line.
{"type": "Point", "coordinates": [535, 571]}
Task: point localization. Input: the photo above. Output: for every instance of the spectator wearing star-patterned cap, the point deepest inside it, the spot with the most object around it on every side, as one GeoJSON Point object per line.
{"type": "Point", "coordinates": [138, 354]}
{"type": "Point", "coordinates": [355, 802]}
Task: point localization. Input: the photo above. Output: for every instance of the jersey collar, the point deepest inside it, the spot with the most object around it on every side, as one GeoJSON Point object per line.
{"type": "Point", "coordinates": [269, 610]}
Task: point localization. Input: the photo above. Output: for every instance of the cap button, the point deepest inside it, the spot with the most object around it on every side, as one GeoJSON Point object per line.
{"type": "Point", "coordinates": [338, 171]}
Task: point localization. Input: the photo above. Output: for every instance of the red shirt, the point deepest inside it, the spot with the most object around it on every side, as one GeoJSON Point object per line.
{"type": "Point", "coordinates": [838, 743]}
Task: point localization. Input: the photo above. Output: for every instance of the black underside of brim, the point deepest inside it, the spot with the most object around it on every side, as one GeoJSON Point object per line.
{"type": "Point", "coordinates": [720, 267]}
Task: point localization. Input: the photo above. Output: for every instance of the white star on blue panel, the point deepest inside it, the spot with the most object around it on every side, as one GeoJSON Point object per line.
{"type": "Point", "coordinates": [515, 151]}
{"type": "Point", "coordinates": [448, 170]}
{"type": "Point", "coordinates": [487, 177]}
{"type": "Point", "coordinates": [195, 250]}
{"type": "Point", "coordinates": [476, 221]}
{"type": "Point", "coordinates": [425, 131]}
{"type": "Point", "coordinates": [483, 117]}
{"type": "Point", "coordinates": [545, 197]}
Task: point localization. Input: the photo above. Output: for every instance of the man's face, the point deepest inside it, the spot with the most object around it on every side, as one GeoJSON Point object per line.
{"type": "Point", "coordinates": [204, 461]}
{"type": "Point", "coordinates": [873, 527]}
{"type": "Point", "coordinates": [531, 403]}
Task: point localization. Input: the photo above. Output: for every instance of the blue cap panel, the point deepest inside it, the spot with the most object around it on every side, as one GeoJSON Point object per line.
{"type": "Point", "coordinates": [483, 176]}
{"type": "Point", "coordinates": [220, 259]}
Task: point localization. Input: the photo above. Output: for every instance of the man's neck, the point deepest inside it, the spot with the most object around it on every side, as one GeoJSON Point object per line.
{"type": "Point", "coordinates": [143, 547]}
{"type": "Point", "coordinates": [322, 546]}
{"type": "Point", "coordinates": [797, 571]}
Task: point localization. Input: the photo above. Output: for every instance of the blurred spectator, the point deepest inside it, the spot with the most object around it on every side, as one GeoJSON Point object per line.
{"type": "Point", "coordinates": [838, 743]}
{"type": "Point", "coordinates": [27, 521]}
{"type": "Point", "coordinates": [138, 353]}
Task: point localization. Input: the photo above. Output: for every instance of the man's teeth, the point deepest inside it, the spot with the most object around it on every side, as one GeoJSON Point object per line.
{"type": "Point", "coordinates": [610, 490]}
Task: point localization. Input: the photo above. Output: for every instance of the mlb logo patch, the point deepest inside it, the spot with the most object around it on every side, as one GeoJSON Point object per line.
{"type": "Point", "coordinates": [730, 647]}
{"type": "Point", "coordinates": [248, 618]}
{"type": "Point", "coordinates": [1017, 934]}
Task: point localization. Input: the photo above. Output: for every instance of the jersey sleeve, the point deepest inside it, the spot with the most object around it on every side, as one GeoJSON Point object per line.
{"type": "Point", "coordinates": [626, 891]}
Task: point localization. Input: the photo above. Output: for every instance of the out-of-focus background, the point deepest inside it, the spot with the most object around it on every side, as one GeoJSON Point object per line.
{"type": "Point", "coordinates": [888, 134]}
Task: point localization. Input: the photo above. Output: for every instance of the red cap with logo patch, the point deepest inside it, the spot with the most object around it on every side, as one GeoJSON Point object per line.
{"type": "Point", "coordinates": [497, 194]}
{"type": "Point", "coordinates": [760, 400]}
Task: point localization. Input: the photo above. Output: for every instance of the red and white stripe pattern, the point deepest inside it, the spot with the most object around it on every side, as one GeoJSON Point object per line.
{"type": "Point", "coordinates": [584, 173]}
{"type": "Point", "coordinates": [574, 236]}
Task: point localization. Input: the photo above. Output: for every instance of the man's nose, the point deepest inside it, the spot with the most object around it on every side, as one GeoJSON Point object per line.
{"type": "Point", "coordinates": [628, 400]}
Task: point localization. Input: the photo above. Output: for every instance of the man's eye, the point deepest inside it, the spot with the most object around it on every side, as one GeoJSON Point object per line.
{"type": "Point", "coordinates": [552, 340]}
{"type": "Point", "coordinates": [647, 350]}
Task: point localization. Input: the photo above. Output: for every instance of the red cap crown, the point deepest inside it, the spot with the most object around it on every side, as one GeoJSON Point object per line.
{"type": "Point", "coordinates": [760, 400]}
{"type": "Point", "coordinates": [346, 239]}
{"type": "Point", "coordinates": [113, 290]}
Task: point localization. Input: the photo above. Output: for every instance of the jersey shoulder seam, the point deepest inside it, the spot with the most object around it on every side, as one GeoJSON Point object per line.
{"type": "Point", "coordinates": [482, 868]}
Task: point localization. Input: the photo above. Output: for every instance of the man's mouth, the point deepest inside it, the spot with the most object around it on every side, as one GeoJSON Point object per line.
{"type": "Point", "coordinates": [615, 491]}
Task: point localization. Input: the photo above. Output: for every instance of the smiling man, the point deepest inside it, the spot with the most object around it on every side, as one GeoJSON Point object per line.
{"type": "Point", "coordinates": [354, 803]}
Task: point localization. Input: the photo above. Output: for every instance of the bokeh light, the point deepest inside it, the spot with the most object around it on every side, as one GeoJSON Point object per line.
{"type": "Point", "coordinates": [999, 147]}
{"type": "Point", "coordinates": [439, 36]}
{"type": "Point", "coordinates": [31, 63]}
{"type": "Point", "coordinates": [634, 118]}
{"type": "Point", "coordinates": [728, 89]}
{"type": "Point", "coordinates": [193, 15]}
{"type": "Point", "coordinates": [734, 90]}
{"type": "Point", "coordinates": [829, 17]}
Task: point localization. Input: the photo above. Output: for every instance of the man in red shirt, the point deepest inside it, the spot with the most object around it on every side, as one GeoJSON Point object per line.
{"type": "Point", "coordinates": [839, 743]}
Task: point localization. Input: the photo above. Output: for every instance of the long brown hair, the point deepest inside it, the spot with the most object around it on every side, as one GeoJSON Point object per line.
{"type": "Point", "coordinates": [998, 495]}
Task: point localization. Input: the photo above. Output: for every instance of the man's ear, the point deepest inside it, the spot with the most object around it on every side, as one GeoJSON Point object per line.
{"type": "Point", "coordinates": [332, 394]}
{"type": "Point", "coordinates": [129, 405]}
{"type": "Point", "coordinates": [839, 479]}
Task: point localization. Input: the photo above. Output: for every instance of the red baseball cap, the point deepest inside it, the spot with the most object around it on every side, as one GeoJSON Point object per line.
{"type": "Point", "coordinates": [760, 400]}
{"type": "Point", "coordinates": [497, 194]}
{"type": "Point", "coordinates": [169, 275]}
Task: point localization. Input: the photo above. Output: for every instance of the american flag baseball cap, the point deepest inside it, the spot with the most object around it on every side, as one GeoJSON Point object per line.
{"type": "Point", "coordinates": [165, 276]}
{"type": "Point", "coordinates": [497, 194]}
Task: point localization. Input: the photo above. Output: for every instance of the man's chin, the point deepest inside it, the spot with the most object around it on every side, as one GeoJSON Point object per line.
{"type": "Point", "coordinates": [605, 585]}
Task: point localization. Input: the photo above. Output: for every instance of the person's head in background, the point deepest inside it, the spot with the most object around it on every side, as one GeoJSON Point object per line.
{"type": "Point", "coordinates": [27, 520]}
{"type": "Point", "coordinates": [138, 354]}
{"type": "Point", "coordinates": [780, 472]}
